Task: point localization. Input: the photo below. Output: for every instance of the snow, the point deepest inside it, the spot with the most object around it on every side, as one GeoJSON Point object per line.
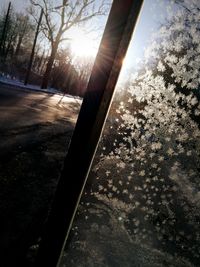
{"type": "Point", "coordinates": [7, 79]}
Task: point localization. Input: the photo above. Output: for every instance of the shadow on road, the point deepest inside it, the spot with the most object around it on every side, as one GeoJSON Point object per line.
{"type": "Point", "coordinates": [35, 134]}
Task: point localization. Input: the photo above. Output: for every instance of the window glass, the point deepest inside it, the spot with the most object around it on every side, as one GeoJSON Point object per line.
{"type": "Point", "coordinates": [47, 49]}
{"type": "Point", "coordinates": [140, 206]}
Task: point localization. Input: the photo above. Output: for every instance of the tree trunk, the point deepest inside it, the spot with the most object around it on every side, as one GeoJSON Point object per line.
{"type": "Point", "coordinates": [47, 73]}
{"type": "Point", "coordinates": [20, 38]}
{"type": "Point", "coordinates": [40, 63]}
{"type": "Point", "coordinates": [18, 45]}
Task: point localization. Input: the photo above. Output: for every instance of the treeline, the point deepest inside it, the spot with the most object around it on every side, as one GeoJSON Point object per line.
{"type": "Point", "coordinates": [17, 33]}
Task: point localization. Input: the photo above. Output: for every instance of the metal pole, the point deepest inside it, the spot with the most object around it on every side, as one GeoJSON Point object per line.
{"type": "Point", "coordinates": [2, 41]}
{"type": "Point", "coordinates": [114, 44]}
{"type": "Point", "coordinates": [33, 49]}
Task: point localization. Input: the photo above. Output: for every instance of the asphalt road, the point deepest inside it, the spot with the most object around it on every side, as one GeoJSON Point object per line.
{"type": "Point", "coordinates": [35, 131]}
{"type": "Point", "coordinates": [23, 107]}
{"type": "Point", "coordinates": [31, 117]}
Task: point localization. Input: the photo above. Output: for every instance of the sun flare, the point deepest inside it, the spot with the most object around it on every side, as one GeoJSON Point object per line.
{"type": "Point", "coordinates": [83, 45]}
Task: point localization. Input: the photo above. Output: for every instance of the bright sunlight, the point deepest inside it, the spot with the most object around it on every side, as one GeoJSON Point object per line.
{"type": "Point", "coordinates": [83, 45]}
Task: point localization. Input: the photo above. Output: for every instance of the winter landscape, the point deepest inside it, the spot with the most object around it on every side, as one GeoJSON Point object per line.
{"type": "Point", "coordinates": [140, 206]}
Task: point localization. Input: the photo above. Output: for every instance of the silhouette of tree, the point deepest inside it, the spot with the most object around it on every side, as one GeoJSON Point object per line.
{"type": "Point", "coordinates": [58, 20]}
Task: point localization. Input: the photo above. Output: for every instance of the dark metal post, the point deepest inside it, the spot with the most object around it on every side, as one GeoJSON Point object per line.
{"type": "Point", "coordinates": [114, 44]}
{"type": "Point", "coordinates": [2, 41]}
{"type": "Point", "coordinates": [33, 49]}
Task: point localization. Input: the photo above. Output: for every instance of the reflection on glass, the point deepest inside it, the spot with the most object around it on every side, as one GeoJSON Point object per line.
{"type": "Point", "coordinates": [37, 118]}
{"type": "Point", "coordinates": [141, 203]}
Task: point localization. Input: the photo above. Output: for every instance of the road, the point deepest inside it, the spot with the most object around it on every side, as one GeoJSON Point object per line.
{"type": "Point", "coordinates": [35, 131]}
{"type": "Point", "coordinates": [31, 117]}
{"type": "Point", "coordinates": [22, 107]}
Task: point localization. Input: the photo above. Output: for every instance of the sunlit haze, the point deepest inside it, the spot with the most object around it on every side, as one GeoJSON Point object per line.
{"type": "Point", "coordinates": [83, 45]}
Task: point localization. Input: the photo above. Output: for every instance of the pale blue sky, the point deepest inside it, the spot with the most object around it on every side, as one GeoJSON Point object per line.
{"type": "Point", "coordinates": [19, 5]}
{"type": "Point", "coordinates": [152, 15]}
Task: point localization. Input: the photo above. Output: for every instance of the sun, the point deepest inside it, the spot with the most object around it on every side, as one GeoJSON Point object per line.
{"type": "Point", "coordinates": [83, 45]}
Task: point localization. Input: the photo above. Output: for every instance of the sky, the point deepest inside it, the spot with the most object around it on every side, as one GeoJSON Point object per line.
{"type": "Point", "coordinates": [152, 15]}
{"type": "Point", "coordinates": [19, 5]}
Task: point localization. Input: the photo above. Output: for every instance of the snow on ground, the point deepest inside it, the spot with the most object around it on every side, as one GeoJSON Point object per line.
{"type": "Point", "coordinates": [7, 79]}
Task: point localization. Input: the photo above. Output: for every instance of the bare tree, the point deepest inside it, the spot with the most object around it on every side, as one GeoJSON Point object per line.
{"type": "Point", "coordinates": [25, 30]}
{"type": "Point", "coordinates": [58, 20]}
{"type": "Point", "coordinates": [16, 35]}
